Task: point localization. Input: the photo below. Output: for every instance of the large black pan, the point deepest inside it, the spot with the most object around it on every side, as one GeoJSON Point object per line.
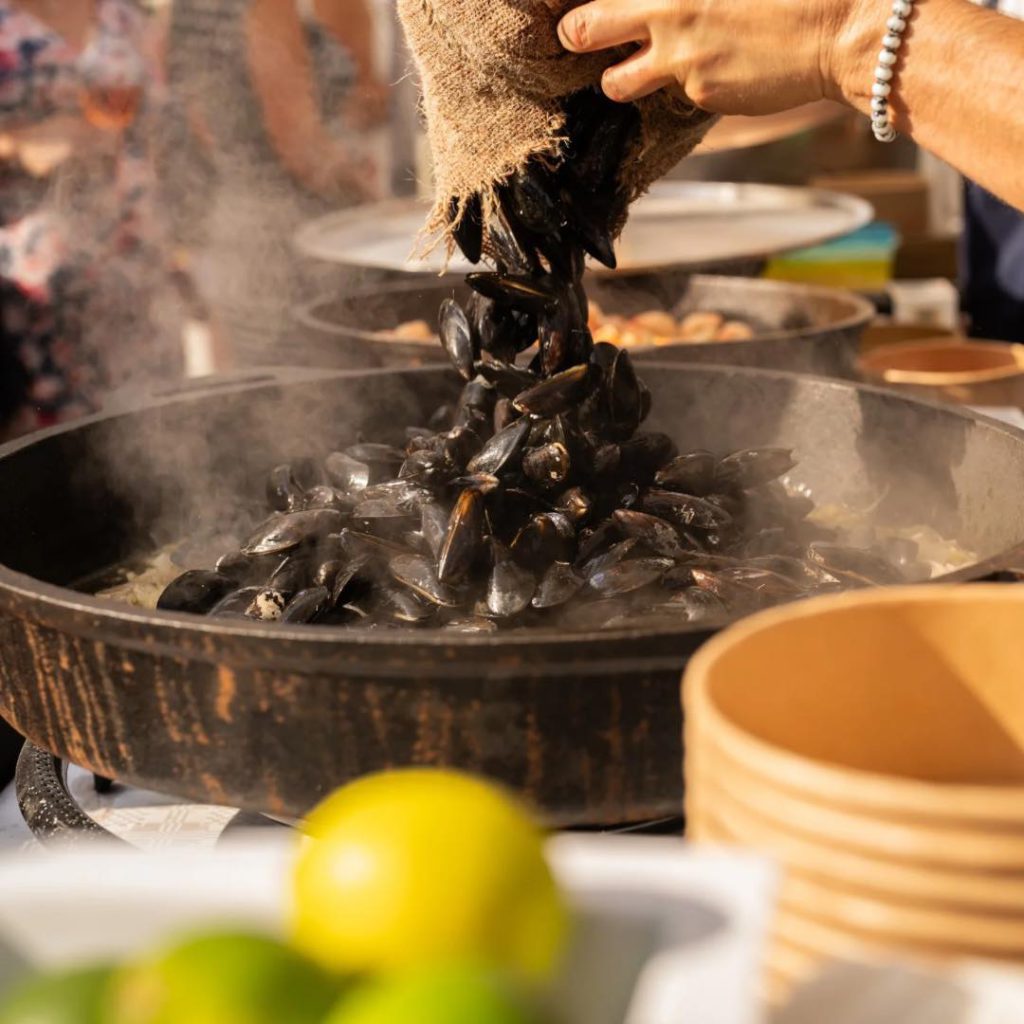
{"type": "Point", "coordinates": [588, 726]}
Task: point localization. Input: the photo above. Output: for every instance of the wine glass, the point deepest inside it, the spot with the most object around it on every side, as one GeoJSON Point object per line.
{"type": "Point", "coordinates": [113, 77]}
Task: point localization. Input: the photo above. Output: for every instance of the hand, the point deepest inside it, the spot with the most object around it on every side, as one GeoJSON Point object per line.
{"type": "Point", "coordinates": [729, 56]}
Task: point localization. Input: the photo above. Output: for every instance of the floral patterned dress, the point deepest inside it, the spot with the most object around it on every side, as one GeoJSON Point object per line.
{"type": "Point", "coordinates": [80, 258]}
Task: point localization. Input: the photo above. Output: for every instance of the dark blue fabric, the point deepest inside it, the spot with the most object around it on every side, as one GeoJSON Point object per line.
{"type": "Point", "coordinates": [992, 266]}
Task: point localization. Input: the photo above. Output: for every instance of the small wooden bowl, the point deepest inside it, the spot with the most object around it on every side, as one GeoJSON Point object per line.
{"type": "Point", "coordinates": [905, 925]}
{"type": "Point", "coordinates": [905, 704]}
{"type": "Point", "coordinates": [956, 848]}
{"type": "Point", "coordinates": [966, 372]}
{"type": "Point", "coordinates": [856, 872]}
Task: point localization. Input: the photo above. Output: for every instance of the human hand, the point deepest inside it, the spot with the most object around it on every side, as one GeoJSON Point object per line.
{"type": "Point", "coordinates": [730, 57]}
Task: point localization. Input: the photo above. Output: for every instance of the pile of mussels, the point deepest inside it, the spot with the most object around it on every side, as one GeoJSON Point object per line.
{"type": "Point", "coordinates": [535, 500]}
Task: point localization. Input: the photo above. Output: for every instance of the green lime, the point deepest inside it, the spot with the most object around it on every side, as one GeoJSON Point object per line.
{"type": "Point", "coordinates": [223, 978]}
{"type": "Point", "coordinates": [435, 995]}
{"type": "Point", "coordinates": [68, 997]}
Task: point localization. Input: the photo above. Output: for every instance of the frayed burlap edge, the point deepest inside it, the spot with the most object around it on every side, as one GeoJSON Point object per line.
{"type": "Point", "coordinates": [439, 229]}
{"type": "Point", "coordinates": [492, 100]}
{"type": "Point", "coordinates": [642, 166]}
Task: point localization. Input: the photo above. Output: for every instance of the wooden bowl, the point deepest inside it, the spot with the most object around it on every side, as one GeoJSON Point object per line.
{"type": "Point", "coordinates": [898, 711]}
{"type": "Point", "coordinates": [825, 891]}
{"type": "Point", "coordinates": [855, 872]}
{"type": "Point", "coordinates": [903, 924]}
{"type": "Point", "coordinates": [967, 372]}
{"type": "Point", "coordinates": [880, 334]}
{"type": "Point", "coordinates": [816, 923]}
{"type": "Point", "coordinates": [824, 939]}
{"type": "Point", "coordinates": [965, 848]}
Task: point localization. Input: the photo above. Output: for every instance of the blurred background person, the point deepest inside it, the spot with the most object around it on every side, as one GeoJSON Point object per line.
{"type": "Point", "coordinates": [992, 249]}
{"type": "Point", "coordinates": [271, 98]}
{"type": "Point", "coordinates": [81, 260]}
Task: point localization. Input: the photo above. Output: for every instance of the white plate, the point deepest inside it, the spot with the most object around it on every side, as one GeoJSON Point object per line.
{"type": "Point", "coordinates": [664, 934]}
{"type": "Point", "coordinates": [679, 224]}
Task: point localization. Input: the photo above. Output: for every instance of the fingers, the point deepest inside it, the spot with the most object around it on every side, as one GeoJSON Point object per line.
{"type": "Point", "coordinates": [635, 78]}
{"type": "Point", "coordinates": [603, 24]}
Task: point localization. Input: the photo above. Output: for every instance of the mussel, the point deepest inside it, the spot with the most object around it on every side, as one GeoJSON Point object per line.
{"type": "Point", "coordinates": [533, 497]}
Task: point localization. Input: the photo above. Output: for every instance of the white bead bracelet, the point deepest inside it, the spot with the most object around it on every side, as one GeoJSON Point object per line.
{"type": "Point", "coordinates": [882, 85]}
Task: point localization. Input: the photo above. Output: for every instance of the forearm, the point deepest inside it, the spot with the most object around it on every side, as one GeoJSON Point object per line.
{"type": "Point", "coordinates": [351, 23]}
{"type": "Point", "coordinates": [958, 89]}
{"type": "Point", "coordinates": [282, 78]}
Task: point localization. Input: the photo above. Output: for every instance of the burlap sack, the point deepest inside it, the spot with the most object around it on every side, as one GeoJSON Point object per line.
{"type": "Point", "coordinates": [493, 73]}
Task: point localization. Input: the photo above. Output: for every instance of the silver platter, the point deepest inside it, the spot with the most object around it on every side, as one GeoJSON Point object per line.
{"type": "Point", "coordinates": [679, 224]}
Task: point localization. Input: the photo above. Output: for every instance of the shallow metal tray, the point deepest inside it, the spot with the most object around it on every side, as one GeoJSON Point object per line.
{"type": "Point", "coordinates": [679, 224]}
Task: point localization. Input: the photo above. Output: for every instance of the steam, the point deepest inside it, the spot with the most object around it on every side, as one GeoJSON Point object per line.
{"type": "Point", "coordinates": [196, 468]}
{"type": "Point", "coordinates": [192, 468]}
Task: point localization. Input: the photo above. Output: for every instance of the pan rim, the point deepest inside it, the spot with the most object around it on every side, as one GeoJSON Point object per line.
{"type": "Point", "coordinates": [84, 615]}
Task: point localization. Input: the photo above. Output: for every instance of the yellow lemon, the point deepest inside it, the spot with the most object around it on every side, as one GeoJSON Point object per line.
{"type": "Point", "coordinates": [417, 866]}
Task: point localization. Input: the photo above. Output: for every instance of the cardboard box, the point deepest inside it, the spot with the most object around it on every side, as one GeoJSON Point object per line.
{"type": "Point", "coordinates": [900, 198]}
{"type": "Point", "coordinates": [928, 257]}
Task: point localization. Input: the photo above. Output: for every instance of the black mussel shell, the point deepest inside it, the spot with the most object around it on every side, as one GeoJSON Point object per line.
{"type": "Point", "coordinates": [518, 291]}
{"type": "Point", "coordinates": [655, 534]}
{"type": "Point", "coordinates": [469, 228]}
{"type": "Point", "coordinates": [753, 467]}
{"type": "Point", "coordinates": [501, 450]}
{"type": "Point", "coordinates": [464, 538]}
{"type": "Point", "coordinates": [196, 591]}
{"type": "Point", "coordinates": [307, 606]}
{"type": "Point", "coordinates": [628, 575]}
{"type": "Point", "coordinates": [289, 530]}
{"type": "Point", "coordinates": [556, 394]}
{"type": "Point", "coordinates": [283, 490]}
{"type": "Point", "coordinates": [689, 473]}
{"type": "Point", "coordinates": [419, 575]}
{"type": "Point", "coordinates": [347, 473]}
{"type": "Point", "coordinates": [559, 584]}
{"type": "Point", "coordinates": [457, 337]}
{"type": "Point", "coordinates": [510, 587]}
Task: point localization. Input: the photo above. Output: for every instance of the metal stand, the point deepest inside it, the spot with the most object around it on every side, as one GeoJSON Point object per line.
{"type": "Point", "coordinates": [51, 813]}
{"type": "Point", "coordinates": [49, 810]}
{"type": "Point", "coordinates": [53, 816]}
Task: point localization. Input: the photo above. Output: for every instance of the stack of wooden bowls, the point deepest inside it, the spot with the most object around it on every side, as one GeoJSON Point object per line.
{"type": "Point", "coordinates": [874, 744]}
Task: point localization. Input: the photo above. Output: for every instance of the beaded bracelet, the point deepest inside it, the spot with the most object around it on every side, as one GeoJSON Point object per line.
{"type": "Point", "coordinates": [882, 86]}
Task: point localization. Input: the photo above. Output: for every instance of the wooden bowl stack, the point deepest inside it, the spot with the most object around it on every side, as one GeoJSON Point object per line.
{"type": "Point", "coordinates": [874, 744]}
